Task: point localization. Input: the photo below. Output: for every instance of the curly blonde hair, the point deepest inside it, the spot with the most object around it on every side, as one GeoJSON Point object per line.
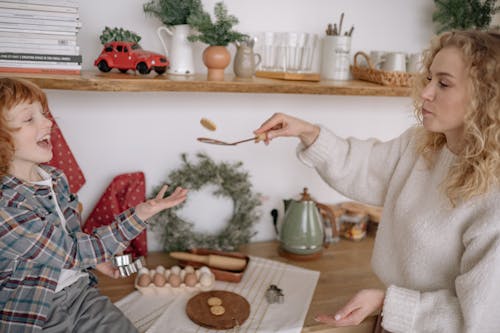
{"type": "Point", "coordinates": [478, 165]}
{"type": "Point", "coordinates": [12, 93]}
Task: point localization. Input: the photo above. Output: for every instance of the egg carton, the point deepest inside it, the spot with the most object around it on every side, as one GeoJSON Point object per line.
{"type": "Point", "coordinates": [175, 279]}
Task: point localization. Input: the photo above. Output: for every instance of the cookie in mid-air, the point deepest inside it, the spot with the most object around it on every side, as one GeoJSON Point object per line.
{"type": "Point", "coordinates": [208, 124]}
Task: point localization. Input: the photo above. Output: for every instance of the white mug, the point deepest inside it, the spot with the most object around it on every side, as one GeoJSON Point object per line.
{"type": "Point", "coordinates": [414, 63]}
{"type": "Point", "coordinates": [377, 58]}
{"type": "Point", "coordinates": [394, 62]}
{"type": "Point", "coordinates": [335, 60]}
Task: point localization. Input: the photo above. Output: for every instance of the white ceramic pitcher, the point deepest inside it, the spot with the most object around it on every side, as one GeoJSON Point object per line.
{"type": "Point", "coordinates": [180, 52]}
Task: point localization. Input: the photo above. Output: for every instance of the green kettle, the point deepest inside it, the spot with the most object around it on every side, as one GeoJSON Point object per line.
{"type": "Point", "coordinates": [302, 231]}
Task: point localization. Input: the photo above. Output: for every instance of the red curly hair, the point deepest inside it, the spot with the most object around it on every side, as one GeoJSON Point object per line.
{"type": "Point", "coordinates": [12, 93]}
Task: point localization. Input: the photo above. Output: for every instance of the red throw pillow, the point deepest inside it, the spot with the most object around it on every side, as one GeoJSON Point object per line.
{"type": "Point", "coordinates": [125, 191]}
{"type": "Point", "coordinates": [63, 158]}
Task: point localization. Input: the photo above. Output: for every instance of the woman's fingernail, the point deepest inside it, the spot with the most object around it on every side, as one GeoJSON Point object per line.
{"type": "Point", "coordinates": [337, 317]}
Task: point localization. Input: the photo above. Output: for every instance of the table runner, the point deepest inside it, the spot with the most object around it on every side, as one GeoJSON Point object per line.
{"type": "Point", "coordinates": [166, 313]}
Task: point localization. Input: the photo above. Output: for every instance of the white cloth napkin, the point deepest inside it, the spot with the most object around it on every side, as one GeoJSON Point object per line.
{"type": "Point", "coordinates": [167, 313]}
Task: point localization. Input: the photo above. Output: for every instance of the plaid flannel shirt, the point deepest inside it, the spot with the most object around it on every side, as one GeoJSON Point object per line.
{"type": "Point", "coordinates": [34, 247]}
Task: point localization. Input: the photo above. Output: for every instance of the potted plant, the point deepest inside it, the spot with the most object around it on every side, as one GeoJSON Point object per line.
{"type": "Point", "coordinates": [174, 14]}
{"type": "Point", "coordinates": [217, 35]}
{"type": "Point", "coordinates": [464, 14]}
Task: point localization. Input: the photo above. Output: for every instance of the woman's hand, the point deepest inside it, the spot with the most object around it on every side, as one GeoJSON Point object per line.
{"type": "Point", "coordinates": [364, 303]}
{"type": "Point", "coordinates": [147, 209]}
{"type": "Point", "coordinates": [284, 125]}
{"type": "Point", "coordinates": [108, 269]}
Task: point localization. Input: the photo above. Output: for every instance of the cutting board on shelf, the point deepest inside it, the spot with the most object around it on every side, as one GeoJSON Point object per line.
{"type": "Point", "coordinates": [315, 77]}
{"type": "Point", "coordinates": [237, 310]}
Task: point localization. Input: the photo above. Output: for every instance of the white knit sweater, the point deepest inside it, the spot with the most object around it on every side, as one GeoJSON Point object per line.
{"type": "Point", "coordinates": [441, 264]}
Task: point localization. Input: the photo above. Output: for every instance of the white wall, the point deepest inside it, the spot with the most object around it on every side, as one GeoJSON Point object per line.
{"type": "Point", "coordinates": [113, 133]}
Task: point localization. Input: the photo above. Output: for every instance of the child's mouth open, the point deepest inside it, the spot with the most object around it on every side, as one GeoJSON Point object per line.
{"type": "Point", "coordinates": [45, 142]}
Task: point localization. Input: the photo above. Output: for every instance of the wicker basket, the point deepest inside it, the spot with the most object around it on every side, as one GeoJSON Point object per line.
{"type": "Point", "coordinates": [393, 79]}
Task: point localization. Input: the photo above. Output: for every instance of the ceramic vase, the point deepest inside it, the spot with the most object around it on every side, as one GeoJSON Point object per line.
{"type": "Point", "coordinates": [216, 58]}
{"type": "Point", "coordinates": [179, 50]}
{"type": "Point", "coordinates": [245, 60]}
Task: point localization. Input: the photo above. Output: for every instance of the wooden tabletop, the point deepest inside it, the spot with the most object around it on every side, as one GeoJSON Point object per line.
{"type": "Point", "coordinates": [344, 266]}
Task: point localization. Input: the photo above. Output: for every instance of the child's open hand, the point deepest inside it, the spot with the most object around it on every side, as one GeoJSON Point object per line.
{"type": "Point", "coordinates": [108, 269]}
{"type": "Point", "coordinates": [151, 207]}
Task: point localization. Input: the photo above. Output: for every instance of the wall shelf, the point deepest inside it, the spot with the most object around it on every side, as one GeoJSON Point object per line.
{"type": "Point", "coordinates": [96, 81]}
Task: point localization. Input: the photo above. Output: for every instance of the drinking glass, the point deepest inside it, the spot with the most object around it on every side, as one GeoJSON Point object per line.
{"type": "Point", "coordinates": [270, 47]}
{"type": "Point", "coordinates": [311, 43]}
{"type": "Point", "coordinates": [267, 49]}
{"type": "Point", "coordinates": [295, 42]}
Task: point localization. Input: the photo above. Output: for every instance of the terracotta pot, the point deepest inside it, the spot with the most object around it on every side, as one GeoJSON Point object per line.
{"type": "Point", "coordinates": [216, 58]}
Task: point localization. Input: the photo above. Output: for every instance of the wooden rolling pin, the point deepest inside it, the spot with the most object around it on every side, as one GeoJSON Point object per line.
{"type": "Point", "coordinates": [212, 260]}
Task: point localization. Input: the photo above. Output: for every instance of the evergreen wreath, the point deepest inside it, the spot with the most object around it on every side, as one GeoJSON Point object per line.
{"type": "Point", "coordinates": [178, 235]}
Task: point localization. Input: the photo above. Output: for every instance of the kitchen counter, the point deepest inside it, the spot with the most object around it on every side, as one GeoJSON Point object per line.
{"type": "Point", "coordinates": [344, 266]}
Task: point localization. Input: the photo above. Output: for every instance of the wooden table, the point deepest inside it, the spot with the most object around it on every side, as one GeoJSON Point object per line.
{"type": "Point", "coordinates": [344, 266]}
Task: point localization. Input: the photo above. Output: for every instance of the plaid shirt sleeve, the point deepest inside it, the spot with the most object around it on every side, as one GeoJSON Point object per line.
{"type": "Point", "coordinates": [26, 233]}
{"type": "Point", "coordinates": [34, 247]}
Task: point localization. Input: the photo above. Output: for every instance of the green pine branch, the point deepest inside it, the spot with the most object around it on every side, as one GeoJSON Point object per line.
{"type": "Point", "coordinates": [172, 12]}
{"type": "Point", "coordinates": [118, 34]}
{"type": "Point", "coordinates": [464, 14]}
{"type": "Point", "coordinates": [218, 33]}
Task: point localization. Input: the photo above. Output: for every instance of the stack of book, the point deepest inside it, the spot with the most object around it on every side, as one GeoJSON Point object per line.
{"type": "Point", "coordinates": [39, 36]}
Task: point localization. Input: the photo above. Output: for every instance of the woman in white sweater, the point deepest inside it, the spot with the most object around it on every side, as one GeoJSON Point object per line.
{"type": "Point", "coordinates": [438, 244]}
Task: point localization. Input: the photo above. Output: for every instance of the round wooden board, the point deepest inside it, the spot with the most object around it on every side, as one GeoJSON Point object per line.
{"type": "Point", "coordinates": [236, 306]}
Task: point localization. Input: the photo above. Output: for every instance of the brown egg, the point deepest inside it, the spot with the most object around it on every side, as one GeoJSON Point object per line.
{"type": "Point", "coordinates": [175, 269]}
{"type": "Point", "coordinates": [189, 269]}
{"type": "Point", "coordinates": [190, 279]}
{"type": "Point", "coordinates": [144, 280]}
{"type": "Point", "coordinates": [174, 280]}
{"type": "Point", "coordinates": [206, 279]}
{"type": "Point", "coordinates": [159, 280]}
